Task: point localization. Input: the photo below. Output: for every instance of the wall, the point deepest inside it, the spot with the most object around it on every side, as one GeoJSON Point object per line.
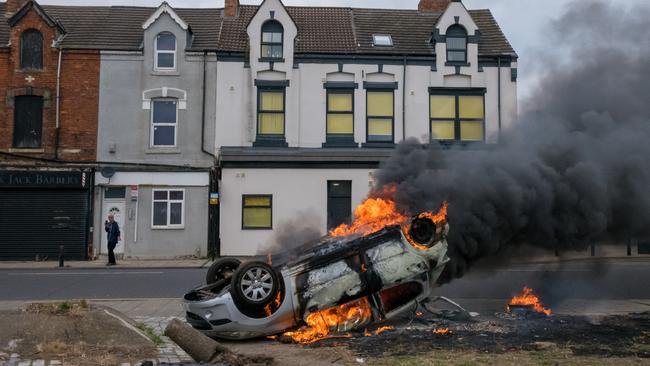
{"type": "Point", "coordinates": [79, 94]}
{"type": "Point", "coordinates": [296, 193]}
{"type": "Point", "coordinates": [306, 101]}
{"type": "Point", "coordinates": [124, 78]}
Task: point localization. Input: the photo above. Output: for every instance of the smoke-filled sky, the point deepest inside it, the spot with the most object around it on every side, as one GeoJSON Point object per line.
{"type": "Point", "coordinates": [573, 171]}
{"type": "Point", "coordinates": [525, 22]}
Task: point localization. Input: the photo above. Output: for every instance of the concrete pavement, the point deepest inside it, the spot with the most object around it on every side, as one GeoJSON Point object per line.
{"type": "Point", "coordinates": [101, 263]}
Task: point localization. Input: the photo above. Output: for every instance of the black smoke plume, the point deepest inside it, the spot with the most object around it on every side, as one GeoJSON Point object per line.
{"type": "Point", "coordinates": [576, 167]}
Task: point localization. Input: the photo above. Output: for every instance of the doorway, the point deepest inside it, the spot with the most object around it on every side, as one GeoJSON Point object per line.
{"type": "Point", "coordinates": [339, 203]}
{"type": "Point", "coordinates": [114, 203]}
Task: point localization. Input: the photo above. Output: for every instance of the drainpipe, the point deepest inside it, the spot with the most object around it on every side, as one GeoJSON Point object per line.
{"type": "Point", "coordinates": [205, 65]}
{"type": "Point", "coordinates": [58, 105]}
{"type": "Point", "coordinates": [404, 100]}
{"type": "Point", "coordinates": [499, 94]}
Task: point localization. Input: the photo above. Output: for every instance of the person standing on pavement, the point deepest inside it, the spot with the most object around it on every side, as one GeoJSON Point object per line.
{"type": "Point", "coordinates": [113, 233]}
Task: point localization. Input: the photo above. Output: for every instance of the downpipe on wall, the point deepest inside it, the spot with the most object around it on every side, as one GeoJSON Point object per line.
{"type": "Point", "coordinates": [58, 105]}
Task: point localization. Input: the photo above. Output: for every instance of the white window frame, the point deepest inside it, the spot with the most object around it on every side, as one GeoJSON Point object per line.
{"type": "Point", "coordinates": [153, 124]}
{"type": "Point", "coordinates": [376, 37]}
{"type": "Point", "coordinates": [158, 52]}
{"type": "Point", "coordinates": [169, 211]}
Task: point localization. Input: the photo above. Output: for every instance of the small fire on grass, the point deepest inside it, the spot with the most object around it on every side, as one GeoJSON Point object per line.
{"type": "Point", "coordinates": [378, 331]}
{"type": "Point", "coordinates": [332, 322]}
{"type": "Point", "coordinates": [441, 331]}
{"type": "Point", "coordinates": [527, 300]}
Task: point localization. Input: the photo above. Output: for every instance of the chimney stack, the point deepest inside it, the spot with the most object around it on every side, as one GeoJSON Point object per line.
{"type": "Point", "coordinates": [12, 6]}
{"type": "Point", "coordinates": [231, 8]}
{"type": "Point", "coordinates": [433, 6]}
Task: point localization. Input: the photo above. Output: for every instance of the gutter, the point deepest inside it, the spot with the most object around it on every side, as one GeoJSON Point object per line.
{"type": "Point", "coordinates": [499, 93]}
{"type": "Point", "coordinates": [58, 105]}
{"type": "Point", "coordinates": [205, 63]}
{"type": "Point", "coordinates": [404, 100]}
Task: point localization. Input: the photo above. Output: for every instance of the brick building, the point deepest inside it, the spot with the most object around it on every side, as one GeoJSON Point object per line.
{"type": "Point", "coordinates": [49, 90]}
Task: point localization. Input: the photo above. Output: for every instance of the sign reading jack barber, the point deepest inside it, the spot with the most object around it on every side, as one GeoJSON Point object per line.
{"type": "Point", "coordinates": [42, 179]}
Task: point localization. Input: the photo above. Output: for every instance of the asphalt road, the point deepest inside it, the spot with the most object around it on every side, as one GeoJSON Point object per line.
{"type": "Point", "coordinates": [614, 281]}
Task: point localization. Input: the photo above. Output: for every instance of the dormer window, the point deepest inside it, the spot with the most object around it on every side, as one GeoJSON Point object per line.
{"type": "Point", "coordinates": [31, 49]}
{"type": "Point", "coordinates": [272, 40]}
{"type": "Point", "coordinates": [382, 40]}
{"type": "Point", "coordinates": [456, 44]}
{"type": "Point", "coordinates": [165, 52]}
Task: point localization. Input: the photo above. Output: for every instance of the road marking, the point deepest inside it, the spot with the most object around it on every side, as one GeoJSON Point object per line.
{"type": "Point", "coordinates": [79, 273]}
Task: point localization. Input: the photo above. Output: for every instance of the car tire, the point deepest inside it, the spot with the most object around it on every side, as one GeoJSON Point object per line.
{"type": "Point", "coordinates": [222, 269]}
{"type": "Point", "coordinates": [254, 285]}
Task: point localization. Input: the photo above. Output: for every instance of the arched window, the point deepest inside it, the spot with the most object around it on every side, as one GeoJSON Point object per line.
{"type": "Point", "coordinates": [31, 49]}
{"type": "Point", "coordinates": [456, 44]}
{"type": "Point", "coordinates": [165, 50]}
{"type": "Point", "coordinates": [272, 39]}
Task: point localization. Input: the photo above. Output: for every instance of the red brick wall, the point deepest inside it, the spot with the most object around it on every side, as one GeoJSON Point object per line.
{"type": "Point", "coordinates": [433, 5]}
{"type": "Point", "coordinates": [79, 94]}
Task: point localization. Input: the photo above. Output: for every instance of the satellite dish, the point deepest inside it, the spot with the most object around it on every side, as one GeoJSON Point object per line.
{"type": "Point", "coordinates": [108, 172]}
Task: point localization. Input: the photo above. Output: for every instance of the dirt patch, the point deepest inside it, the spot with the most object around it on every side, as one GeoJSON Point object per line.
{"type": "Point", "coordinates": [74, 333]}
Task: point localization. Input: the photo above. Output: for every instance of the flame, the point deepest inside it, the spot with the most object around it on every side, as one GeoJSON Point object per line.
{"type": "Point", "coordinates": [441, 331]}
{"type": "Point", "coordinates": [375, 213]}
{"type": "Point", "coordinates": [527, 297]}
{"type": "Point", "coordinates": [271, 307]}
{"type": "Point", "coordinates": [321, 323]}
{"type": "Point", "coordinates": [386, 328]}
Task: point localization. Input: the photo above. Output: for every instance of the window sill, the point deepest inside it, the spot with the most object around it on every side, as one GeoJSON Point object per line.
{"type": "Point", "coordinates": [340, 143]}
{"type": "Point", "coordinates": [379, 145]}
{"type": "Point", "coordinates": [163, 150]}
{"type": "Point", "coordinates": [462, 64]}
{"type": "Point", "coordinates": [455, 143]}
{"type": "Point", "coordinates": [30, 71]}
{"type": "Point", "coordinates": [168, 227]}
{"type": "Point", "coordinates": [263, 141]}
{"type": "Point", "coordinates": [27, 150]}
{"type": "Point", "coordinates": [270, 59]}
{"type": "Point", "coordinates": [165, 73]}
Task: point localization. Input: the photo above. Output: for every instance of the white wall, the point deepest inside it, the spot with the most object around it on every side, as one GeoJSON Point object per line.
{"type": "Point", "coordinates": [296, 193]}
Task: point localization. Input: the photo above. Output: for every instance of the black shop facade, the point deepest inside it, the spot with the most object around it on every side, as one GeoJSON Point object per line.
{"type": "Point", "coordinates": [42, 210]}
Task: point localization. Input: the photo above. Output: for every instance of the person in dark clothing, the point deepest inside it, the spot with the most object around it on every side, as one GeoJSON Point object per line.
{"type": "Point", "coordinates": [113, 232]}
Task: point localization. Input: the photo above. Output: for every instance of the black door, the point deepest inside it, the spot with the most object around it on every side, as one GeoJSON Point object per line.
{"type": "Point", "coordinates": [28, 121]}
{"type": "Point", "coordinates": [35, 222]}
{"type": "Point", "coordinates": [339, 203]}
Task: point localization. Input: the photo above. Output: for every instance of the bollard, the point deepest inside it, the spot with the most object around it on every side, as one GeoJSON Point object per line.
{"type": "Point", "coordinates": [61, 251]}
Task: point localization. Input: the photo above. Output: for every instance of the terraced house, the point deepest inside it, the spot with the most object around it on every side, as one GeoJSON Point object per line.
{"type": "Point", "coordinates": [49, 90]}
{"type": "Point", "coordinates": [215, 126]}
{"type": "Point", "coordinates": [312, 99]}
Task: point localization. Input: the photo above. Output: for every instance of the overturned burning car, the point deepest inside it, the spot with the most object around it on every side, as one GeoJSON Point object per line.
{"type": "Point", "coordinates": [339, 283]}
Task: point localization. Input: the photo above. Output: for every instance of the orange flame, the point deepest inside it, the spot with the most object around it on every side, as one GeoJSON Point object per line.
{"type": "Point", "coordinates": [527, 297]}
{"type": "Point", "coordinates": [385, 328]}
{"type": "Point", "coordinates": [339, 318]}
{"type": "Point", "coordinates": [375, 213]}
{"type": "Point", "coordinates": [271, 307]}
{"type": "Point", "coordinates": [441, 331]}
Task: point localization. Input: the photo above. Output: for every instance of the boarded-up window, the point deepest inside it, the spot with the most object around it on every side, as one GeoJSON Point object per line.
{"type": "Point", "coordinates": [31, 49]}
{"type": "Point", "coordinates": [340, 113]}
{"type": "Point", "coordinates": [380, 107]}
{"type": "Point", "coordinates": [457, 116]}
{"type": "Point", "coordinates": [257, 212]}
{"type": "Point", "coordinates": [28, 121]}
{"type": "Point", "coordinates": [270, 108]}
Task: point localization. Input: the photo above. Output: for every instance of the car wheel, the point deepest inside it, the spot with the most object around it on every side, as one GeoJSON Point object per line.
{"type": "Point", "coordinates": [254, 285]}
{"type": "Point", "coordinates": [222, 269]}
{"type": "Point", "coordinates": [423, 232]}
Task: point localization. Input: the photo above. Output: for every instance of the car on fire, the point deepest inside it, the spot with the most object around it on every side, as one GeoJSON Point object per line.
{"type": "Point", "coordinates": [390, 271]}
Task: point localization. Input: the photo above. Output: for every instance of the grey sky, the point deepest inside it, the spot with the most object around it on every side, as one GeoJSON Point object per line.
{"type": "Point", "coordinates": [523, 21]}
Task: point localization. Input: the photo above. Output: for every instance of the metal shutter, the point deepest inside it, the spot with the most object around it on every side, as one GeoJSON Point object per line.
{"type": "Point", "coordinates": [35, 222]}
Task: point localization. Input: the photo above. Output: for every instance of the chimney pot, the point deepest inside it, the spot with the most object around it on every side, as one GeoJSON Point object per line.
{"type": "Point", "coordinates": [12, 6]}
{"type": "Point", "coordinates": [433, 6]}
{"type": "Point", "coordinates": [231, 8]}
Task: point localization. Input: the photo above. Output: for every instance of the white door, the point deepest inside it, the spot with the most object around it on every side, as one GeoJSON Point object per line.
{"type": "Point", "coordinates": [115, 207]}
